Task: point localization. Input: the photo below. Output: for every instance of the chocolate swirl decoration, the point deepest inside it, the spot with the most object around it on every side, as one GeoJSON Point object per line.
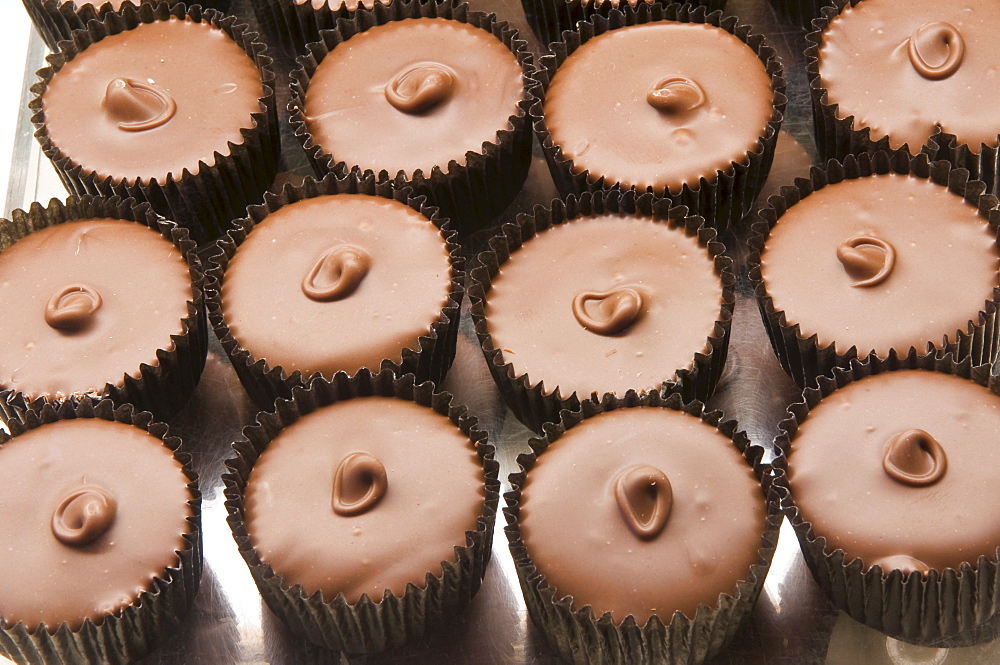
{"type": "Point", "coordinates": [337, 273]}
{"type": "Point", "coordinates": [359, 483]}
{"type": "Point", "coordinates": [939, 39]}
{"type": "Point", "coordinates": [73, 308]}
{"type": "Point", "coordinates": [616, 310]}
{"type": "Point", "coordinates": [645, 498]}
{"type": "Point", "coordinates": [84, 516]}
{"type": "Point", "coordinates": [137, 106]}
{"type": "Point", "coordinates": [420, 87]}
{"type": "Point", "coordinates": [675, 95]}
{"type": "Point", "coordinates": [867, 259]}
{"type": "Point", "coordinates": [915, 458]}
{"type": "Point", "coordinates": [902, 562]}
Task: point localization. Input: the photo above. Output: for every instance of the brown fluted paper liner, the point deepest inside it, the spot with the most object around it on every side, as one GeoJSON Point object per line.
{"type": "Point", "coordinates": [800, 12]}
{"type": "Point", "coordinates": [291, 25]}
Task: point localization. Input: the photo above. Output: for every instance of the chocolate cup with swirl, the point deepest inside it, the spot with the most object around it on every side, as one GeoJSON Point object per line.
{"type": "Point", "coordinates": [724, 197]}
{"type": "Point", "coordinates": [535, 403]}
{"type": "Point", "coordinates": [265, 381]}
{"type": "Point", "coordinates": [940, 607]}
{"type": "Point", "coordinates": [400, 616]}
{"type": "Point", "coordinates": [470, 190]}
{"type": "Point", "coordinates": [223, 184]}
{"type": "Point", "coordinates": [127, 635]}
{"type": "Point", "coordinates": [799, 351]}
{"type": "Point", "coordinates": [800, 12]}
{"type": "Point", "coordinates": [587, 635]}
{"type": "Point", "coordinates": [162, 384]}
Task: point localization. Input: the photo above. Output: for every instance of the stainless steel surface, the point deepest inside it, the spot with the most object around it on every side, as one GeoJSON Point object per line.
{"type": "Point", "coordinates": [792, 622]}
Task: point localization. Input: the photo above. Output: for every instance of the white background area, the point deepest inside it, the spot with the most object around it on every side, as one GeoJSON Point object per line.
{"type": "Point", "coordinates": [15, 26]}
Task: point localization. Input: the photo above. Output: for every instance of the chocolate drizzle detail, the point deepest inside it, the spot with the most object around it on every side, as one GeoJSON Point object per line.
{"type": "Point", "coordinates": [675, 95]}
{"type": "Point", "coordinates": [645, 498]}
{"type": "Point", "coordinates": [867, 259]}
{"type": "Point", "coordinates": [73, 308]}
{"type": "Point", "coordinates": [420, 87]}
{"type": "Point", "coordinates": [337, 273]}
{"type": "Point", "coordinates": [613, 312]}
{"type": "Point", "coordinates": [359, 483]}
{"type": "Point", "coordinates": [938, 41]}
{"type": "Point", "coordinates": [137, 106]}
{"type": "Point", "coordinates": [902, 562]}
{"type": "Point", "coordinates": [84, 516]}
{"type": "Point", "coordinates": [915, 458]}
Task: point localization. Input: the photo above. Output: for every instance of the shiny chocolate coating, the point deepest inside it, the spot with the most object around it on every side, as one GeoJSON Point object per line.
{"type": "Point", "coordinates": [576, 534]}
{"type": "Point", "coordinates": [274, 305]}
{"type": "Point", "coordinates": [93, 511]}
{"type": "Point", "coordinates": [432, 493]}
{"type": "Point", "coordinates": [655, 105]}
{"type": "Point", "coordinates": [943, 271]}
{"type": "Point", "coordinates": [905, 67]}
{"type": "Point", "coordinates": [84, 319]}
{"type": "Point", "coordinates": [840, 482]}
{"type": "Point", "coordinates": [604, 304]}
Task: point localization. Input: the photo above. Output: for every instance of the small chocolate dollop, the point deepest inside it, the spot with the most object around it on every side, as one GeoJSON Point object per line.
{"type": "Point", "coordinates": [73, 308]}
{"type": "Point", "coordinates": [83, 516]}
{"type": "Point", "coordinates": [645, 498]}
{"type": "Point", "coordinates": [675, 94]}
{"type": "Point", "coordinates": [337, 273]}
{"type": "Point", "coordinates": [902, 562]}
{"type": "Point", "coordinates": [137, 106]}
{"type": "Point", "coordinates": [420, 87]}
{"type": "Point", "coordinates": [914, 457]}
{"type": "Point", "coordinates": [359, 483]}
{"type": "Point", "coordinates": [867, 259]}
{"type": "Point", "coordinates": [937, 42]}
{"type": "Point", "coordinates": [612, 312]}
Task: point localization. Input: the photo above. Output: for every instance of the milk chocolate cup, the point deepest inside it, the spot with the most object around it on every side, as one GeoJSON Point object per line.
{"type": "Point", "coordinates": [838, 137]}
{"type": "Point", "coordinates": [531, 401]}
{"type": "Point", "coordinates": [400, 617]}
{"type": "Point", "coordinates": [161, 387]}
{"type": "Point", "coordinates": [57, 19]}
{"type": "Point", "coordinates": [204, 202]}
{"type": "Point", "coordinates": [263, 380]}
{"type": "Point", "coordinates": [290, 25]}
{"type": "Point", "coordinates": [132, 632]}
{"type": "Point", "coordinates": [800, 12]}
{"type": "Point", "coordinates": [945, 606]}
{"type": "Point", "coordinates": [581, 635]}
{"type": "Point", "coordinates": [729, 195]}
{"type": "Point", "coordinates": [470, 191]}
{"type": "Point", "coordinates": [801, 356]}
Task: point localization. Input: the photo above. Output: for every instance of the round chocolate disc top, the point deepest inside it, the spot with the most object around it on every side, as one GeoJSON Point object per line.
{"type": "Point", "coordinates": [143, 104]}
{"type": "Point", "coordinates": [362, 496]}
{"type": "Point", "coordinates": [642, 511]}
{"type": "Point", "coordinates": [93, 511]}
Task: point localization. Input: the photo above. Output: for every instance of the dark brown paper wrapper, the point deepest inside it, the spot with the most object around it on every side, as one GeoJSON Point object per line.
{"type": "Point", "coordinates": [532, 402]}
{"type": "Point", "coordinates": [265, 383]}
{"type": "Point", "coordinates": [582, 636]}
{"type": "Point", "coordinates": [945, 607]}
{"type": "Point", "coordinates": [802, 357]}
{"type": "Point", "coordinates": [838, 137]}
{"type": "Point", "coordinates": [204, 202]}
{"type": "Point", "coordinates": [290, 26]}
{"type": "Point", "coordinates": [161, 388]}
{"type": "Point", "coordinates": [471, 191]}
{"type": "Point", "coordinates": [800, 12]}
{"type": "Point", "coordinates": [730, 195]}
{"type": "Point", "coordinates": [368, 626]}
{"type": "Point", "coordinates": [130, 633]}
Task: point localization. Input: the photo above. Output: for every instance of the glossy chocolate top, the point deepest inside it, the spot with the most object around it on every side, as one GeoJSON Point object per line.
{"type": "Point", "coordinates": [604, 304]}
{"type": "Point", "coordinates": [363, 496]}
{"type": "Point", "coordinates": [901, 468]}
{"type": "Point", "coordinates": [143, 103]}
{"type": "Point", "coordinates": [413, 94]}
{"type": "Point", "coordinates": [642, 511]}
{"type": "Point", "coordinates": [92, 512]}
{"type": "Point", "coordinates": [905, 67]}
{"type": "Point", "coordinates": [336, 283]}
{"type": "Point", "coordinates": [881, 262]}
{"type": "Point", "coordinates": [94, 300]}
{"type": "Point", "coordinates": [658, 105]}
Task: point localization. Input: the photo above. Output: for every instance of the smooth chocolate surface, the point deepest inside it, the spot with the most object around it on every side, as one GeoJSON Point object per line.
{"type": "Point", "coordinates": [659, 105]}
{"type": "Point", "coordinates": [688, 549]}
{"type": "Point", "coordinates": [905, 67]}
{"type": "Point", "coordinates": [336, 283]}
{"type": "Point", "coordinates": [78, 315]}
{"type": "Point", "coordinates": [349, 108]}
{"type": "Point", "coordinates": [881, 262]}
{"type": "Point", "coordinates": [604, 304]}
{"type": "Point", "coordinates": [362, 496]}
{"type": "Point", "coordinates": [92, 512]}
{"type": "Point", "coordinates": [144, 103]}
{"type": "Point", "coordinates": [843, 470]}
